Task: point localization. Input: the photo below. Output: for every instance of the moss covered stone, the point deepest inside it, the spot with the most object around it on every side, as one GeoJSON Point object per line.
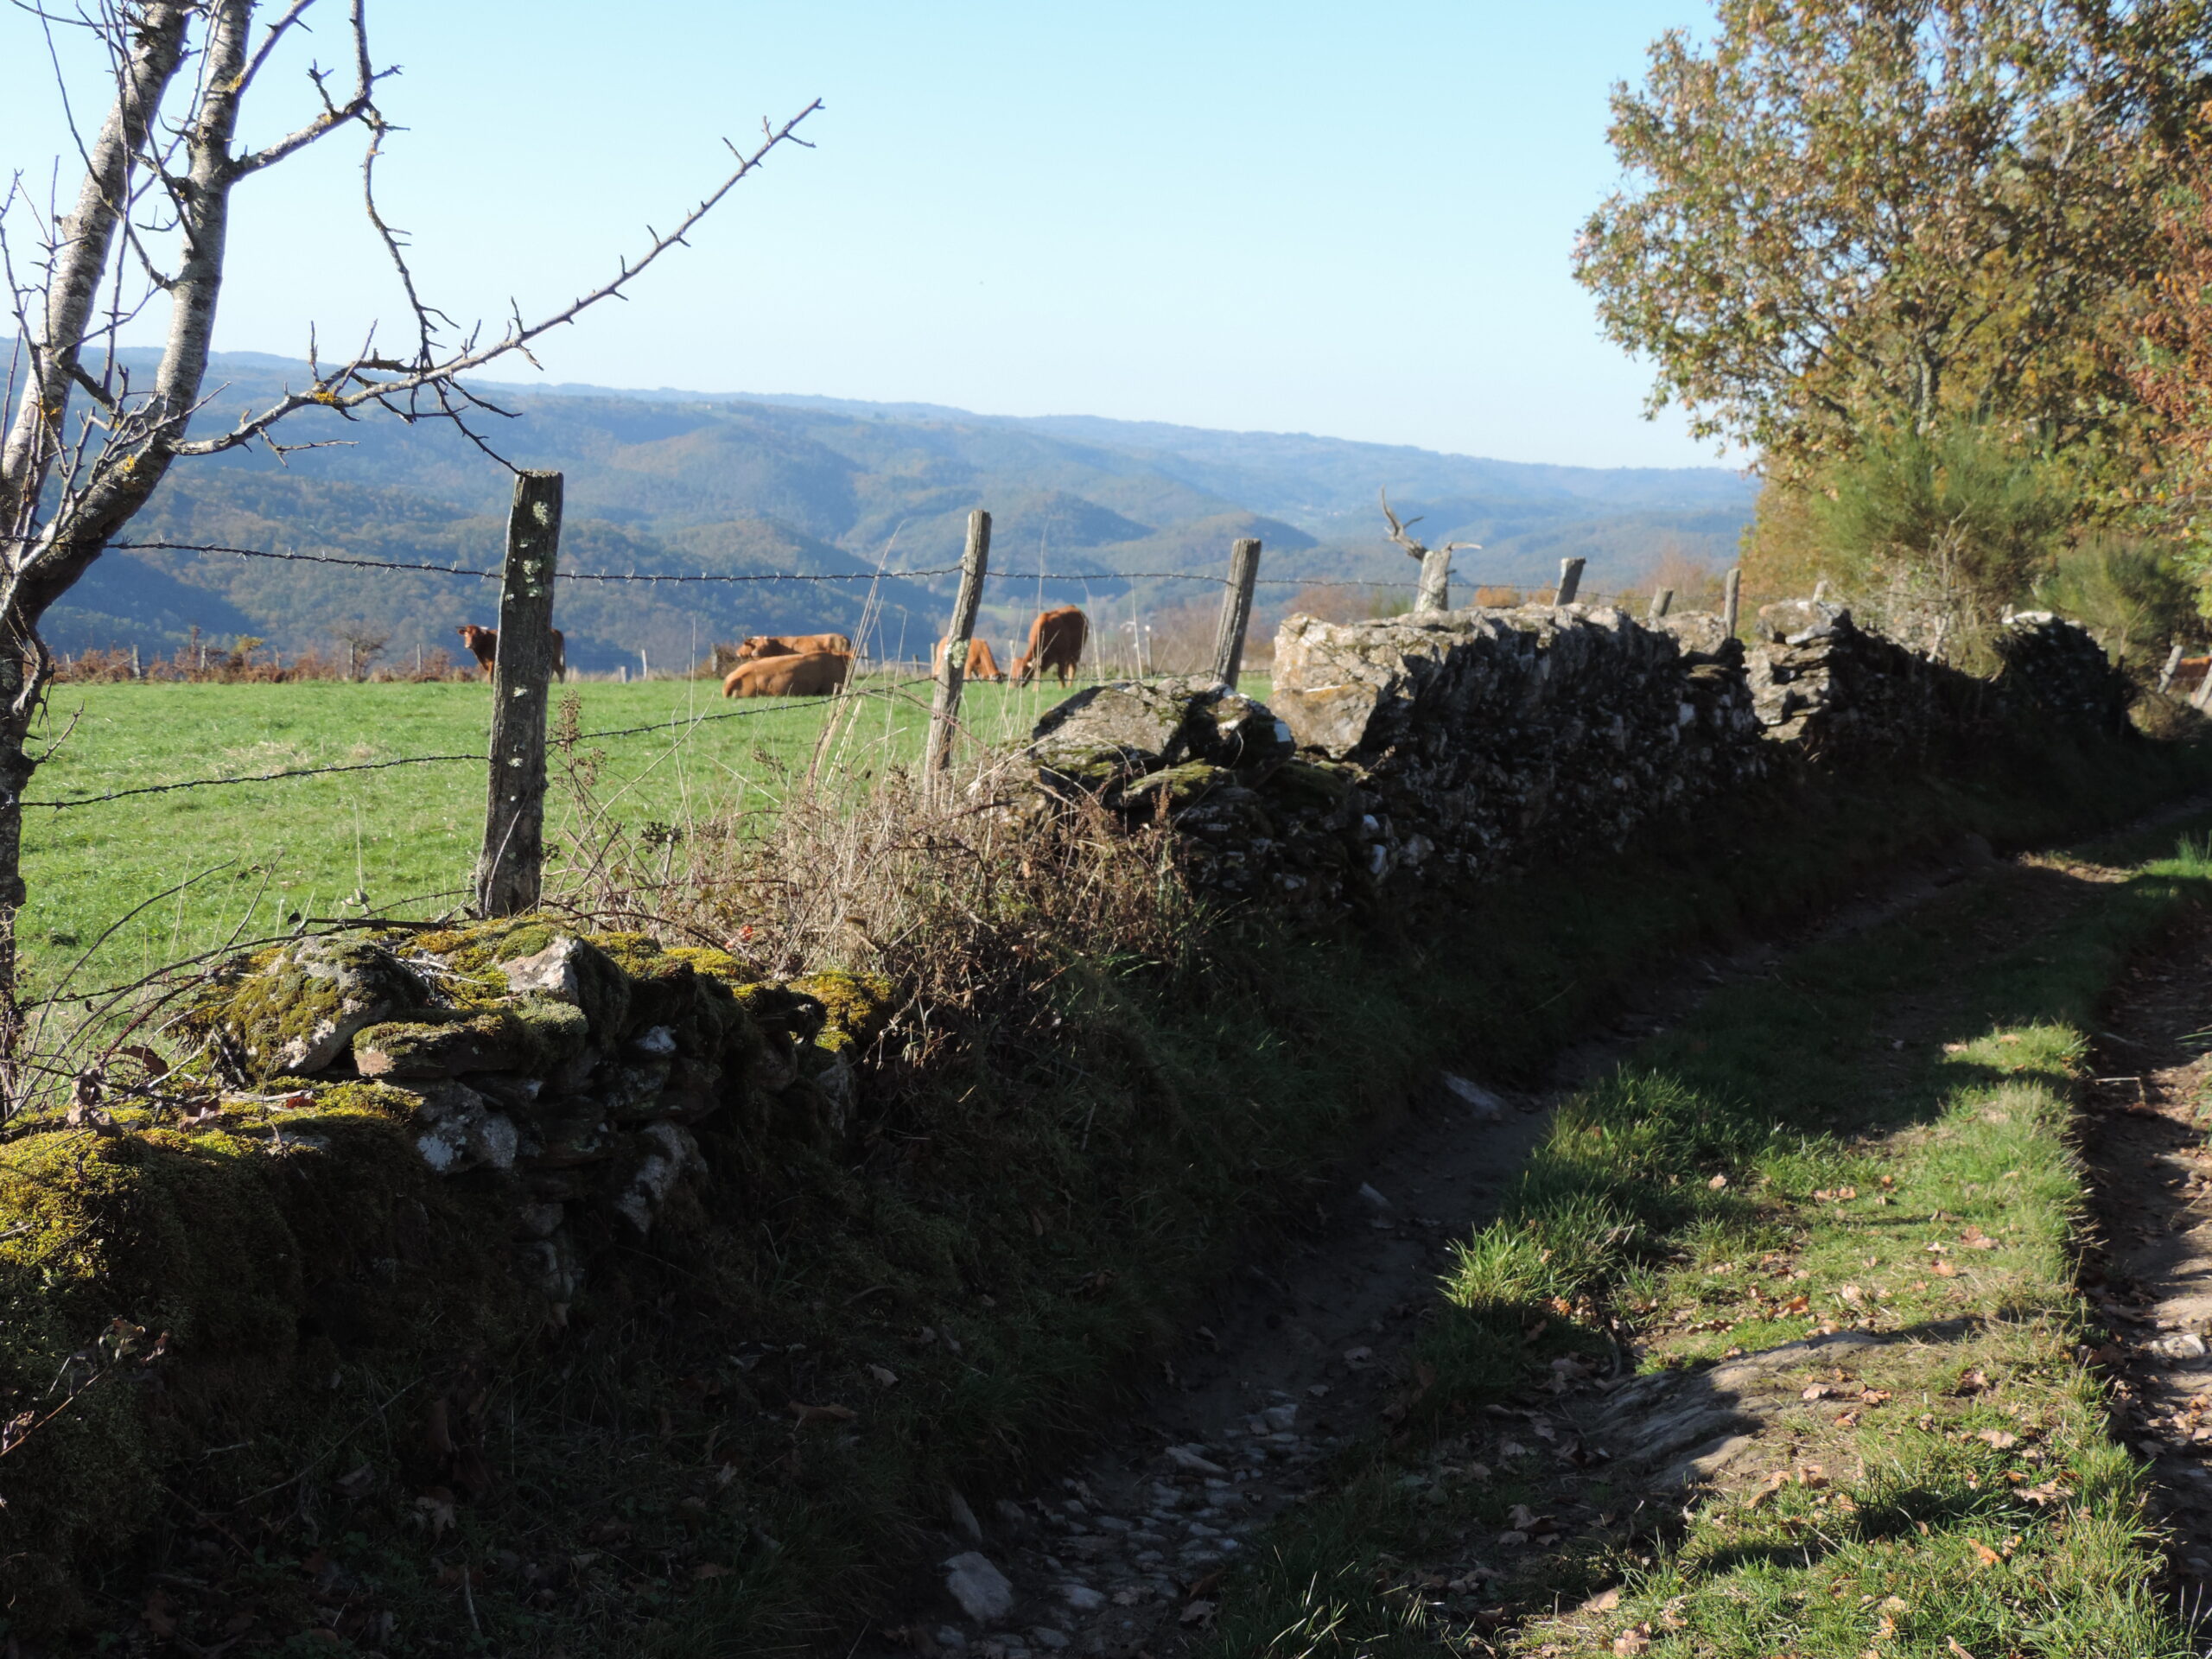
{"type": "Point", "coordinates": [293, 1012]}
{"type": "Point", "coordinates": [268, 1246]}
{"type": "Point", "coordinates": [855, 1009]}
{"type": "Point", "coordinates": [532, 1034]}
{"type": "Point", "coordinates": [783, 1009]}
{"type": "Point", "coordinates": [1179, 786]}
{"type": "Point", "coordinates": [572, 971]}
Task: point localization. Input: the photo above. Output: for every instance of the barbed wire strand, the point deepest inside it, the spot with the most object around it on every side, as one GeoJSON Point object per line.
{"type": "Point", "coordinates": [671, 726]}
{"type": "Point", "coordinates": [651, 578]}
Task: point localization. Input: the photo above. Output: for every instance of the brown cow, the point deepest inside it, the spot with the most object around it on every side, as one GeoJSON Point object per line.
{"type": "Point", "coordinates": [1056, 641]}
{"type": "Point", "coordinates": [484, 645]}
{"type": "Point", "coordinates": [813, 674]}
{"type": "Point", "coordinates": [791, 644]}
{"type": "Point", "coordinates": [981, 665]}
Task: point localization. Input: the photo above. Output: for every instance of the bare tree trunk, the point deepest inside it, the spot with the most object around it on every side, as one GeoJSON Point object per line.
{"type": "Point", "coordinates": [15, 766]}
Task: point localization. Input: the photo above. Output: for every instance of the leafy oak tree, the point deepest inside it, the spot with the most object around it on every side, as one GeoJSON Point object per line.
{"type": "Point", "coordinates": [1845, 213]}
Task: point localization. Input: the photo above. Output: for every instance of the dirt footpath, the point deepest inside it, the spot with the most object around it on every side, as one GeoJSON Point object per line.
{"type": "Point", "coordinates": [2144, 1137]}
{"type": "Point", "coordinates": [1298, 1357]}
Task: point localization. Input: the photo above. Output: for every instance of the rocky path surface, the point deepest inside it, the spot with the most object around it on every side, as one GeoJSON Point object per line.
{"type": "Point", "coordinates": [2145, 1138]}
{"type": "Point", "coordinates": [1298, 1356]}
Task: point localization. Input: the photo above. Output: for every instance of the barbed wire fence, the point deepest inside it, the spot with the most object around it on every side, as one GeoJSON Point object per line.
{"type": "Point", "coordinates": [509, 867]}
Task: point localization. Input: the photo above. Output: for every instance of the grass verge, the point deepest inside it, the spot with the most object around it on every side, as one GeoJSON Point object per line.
{"type": "Point", "coordinates": [744, 1437]}
{"type": "Point", "coordinates": [1869, 1151]}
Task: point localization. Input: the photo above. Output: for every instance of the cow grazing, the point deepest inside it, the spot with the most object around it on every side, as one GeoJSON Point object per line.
{"type": "Point", "coordinates": [981, 665]}
{"type": "Point", "coordinates": [484, 645]}
{"type": "Point", "coordinates": [1056, 642]}
{"type": "Point", "coordinates": [792, 645]}
{"type": "Point", "coordinates": [811, 674]}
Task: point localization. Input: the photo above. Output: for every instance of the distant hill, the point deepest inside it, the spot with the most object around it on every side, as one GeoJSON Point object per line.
{"type": "Point", "coordinates": [668, 483]}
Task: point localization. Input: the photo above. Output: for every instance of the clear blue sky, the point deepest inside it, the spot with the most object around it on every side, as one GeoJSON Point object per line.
{"type": "Point", "coordinates": [1346, 219]}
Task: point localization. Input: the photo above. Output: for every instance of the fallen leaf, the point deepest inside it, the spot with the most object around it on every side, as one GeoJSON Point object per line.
{"type": "Point", "coordinates": [809, 1416]}
{"type": "Point", "coordinates": [1873, 1397]}
{"type": "Point", "coordinates": [1718, 1182]}
{"type": "Point", "coordinates": [884, 1376]}
{"type": "Point", "coordinates": [709, 1570]}
{"type": "Point", "coordinates": [2002, 1438]}
{"type": "Point", "coordinates": [1635, 1641]}
{"type": "Point", "coordinates": [1984, 1553]}
{"type": "Point", "coordinates": [1957, 1652]}
{"type": "Point", "coordinates": [1523, 1518]}
{"type": "Point", "coordinates": [1817, 1391]}
{"type": "Point", "coordinates": [1945, 1270]}
{"type": "Point", "coordinates": [157, 1613]}
{"type": "Point", "coordinates": [1775, 1483]}
{"type": "Point", "coordinates": [1974, 1239]}
{"type": "Point", "coordinates": [1796, 1304]}
{"type": "Point", "coordinates": [1199, 1612]}
{"type": "Point", "coordinates": [434, 1509]}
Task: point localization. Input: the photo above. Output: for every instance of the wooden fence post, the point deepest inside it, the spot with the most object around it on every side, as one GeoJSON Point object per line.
{"type": "Point", "coordinates": [509, 869]}
{"type": "Point", "coordinates": [1434, 592]}
{"type": "Point", "coordinates": [1570, 578]}
{"type": "Point", "coordinates": [1732, 600]}
{"type": "Point", "coordinates": [1236, 612]}
{"type": "Point", "coordinates": [952, 661]}
{"type": "Point", "coordinates": [2165, 675]}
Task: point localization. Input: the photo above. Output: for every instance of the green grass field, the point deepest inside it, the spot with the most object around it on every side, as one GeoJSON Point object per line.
{"type": "Point", "coordinates": [257, 853]}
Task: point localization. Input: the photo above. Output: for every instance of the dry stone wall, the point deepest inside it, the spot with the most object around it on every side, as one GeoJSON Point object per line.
{"type": "Point", "coordinates": [576, 1073]}
{"type": "Point", "coordinates": [1462, 745]}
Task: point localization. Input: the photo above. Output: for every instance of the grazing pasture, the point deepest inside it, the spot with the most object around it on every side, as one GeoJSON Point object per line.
{"type": "Point", "coordinates": [257, 853]}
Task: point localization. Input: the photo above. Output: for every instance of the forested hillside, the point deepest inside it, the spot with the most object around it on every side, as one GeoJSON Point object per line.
{"type": "Point", "coordinates": [679, 483]}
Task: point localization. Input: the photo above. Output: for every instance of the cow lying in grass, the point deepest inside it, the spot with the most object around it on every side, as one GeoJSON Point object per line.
{"type": "Point", "coordinates": [811, 674]}
{"type": "Point", "coordinates": [484, 645]}
{"type": "Point", "coordinates": [792, 645]}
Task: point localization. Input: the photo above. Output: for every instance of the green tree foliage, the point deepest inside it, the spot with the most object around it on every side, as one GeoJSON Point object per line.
{"type": "Point", "coordinates": [1935, 535]}
{"type": "Point", "coordinates": [1846, 213]}
{"type": "Point", "coordinates": [2138, 596]}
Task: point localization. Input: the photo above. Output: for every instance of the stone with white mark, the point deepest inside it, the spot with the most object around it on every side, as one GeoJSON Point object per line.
{"type": "Point", "coordinates": [1190, 1457]}
{"type": "Point", "coordinates": [984, 1593]}
{"type": "Point", "coordinates": [1478, 1100]}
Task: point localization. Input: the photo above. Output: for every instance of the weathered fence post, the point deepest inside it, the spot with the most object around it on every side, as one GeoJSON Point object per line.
{"type": "Point", "coordinates": [952, 661]}
{"type": "Point", "coordinates": [1731, 599]}
{"type": "Point", "coordinates": [1434, 592]}
{"type": "Point", "coordinates": [508, 871]}
{"type": "Point", "coordinates": [2165, 675]}
{"type": "Point", "coordinates": [1236, 612]}
{"type": "Point", "coordinates": [1570, 578]}
{"type": "Point", "coordinates": [1661, 602]}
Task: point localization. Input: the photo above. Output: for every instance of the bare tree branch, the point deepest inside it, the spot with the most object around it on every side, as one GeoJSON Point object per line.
{"type": "Point", "coordinates": [350, 385]}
